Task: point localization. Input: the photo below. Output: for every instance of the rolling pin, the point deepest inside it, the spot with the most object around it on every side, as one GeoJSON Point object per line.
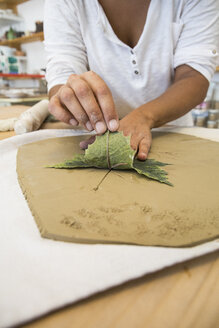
{"type": "Point", "coordinates": [7, 125]}
{"type": "Point", "coordinates": [33, 118]}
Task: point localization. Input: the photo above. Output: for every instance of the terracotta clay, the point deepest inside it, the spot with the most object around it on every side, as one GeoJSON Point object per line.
{"type": "Point", "coordinates": [127, 207]}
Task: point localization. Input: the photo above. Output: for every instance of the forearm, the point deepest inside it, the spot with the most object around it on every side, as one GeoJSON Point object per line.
{"type": "Point", "coordinates": [188, 90]}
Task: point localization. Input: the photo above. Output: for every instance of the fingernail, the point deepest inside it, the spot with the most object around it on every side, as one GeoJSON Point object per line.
{"type": "Point", "coordinates": [83, 145]}
{"type": "Point", "coordinates": [89, 126]}
{"type": "Point", "coordinates": [73, 122]}
{"type": "Point", "coordinates": [143, 156]}
{"type": "Point", "coordinates": [113, 125]}
{"type": "Point", "coordinates": [100, 127]}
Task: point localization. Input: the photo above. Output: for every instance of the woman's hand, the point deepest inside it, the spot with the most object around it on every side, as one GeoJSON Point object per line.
{"type": "Point", "coordinates": [87, 101]}
{"type": "Point", "coordinates": [138, 126]}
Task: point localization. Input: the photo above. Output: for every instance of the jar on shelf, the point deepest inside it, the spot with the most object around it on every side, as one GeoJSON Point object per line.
{"type": "Point", "coordinates": [213, 114]}
{"type": "Point", "coordinates": [211, 124]}
{"type": "Point", "coordinates": [11, 34]}
{"type": "Point", "coordinates": [200, 117]}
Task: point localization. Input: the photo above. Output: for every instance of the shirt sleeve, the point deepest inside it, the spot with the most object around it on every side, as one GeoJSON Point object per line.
{"type": "Point", "coordinates": [64, 46]}
{"type": "Point", "coordinates": [198, 44]}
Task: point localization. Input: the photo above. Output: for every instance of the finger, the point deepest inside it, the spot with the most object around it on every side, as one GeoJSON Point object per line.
{"type": "Point", "coordinates": [60, 112]}
{"type": "Point", "coordinates": [135, 140]}
{"type": "Point", "coordinates": [144, 147]}
{"type": "Point", "coordinates": [69, 100]}
{"type": "Point", "coordinates": [84, 144]}
{"type": "Point", "coordinates": [88, 102]}
{"type": "Point", "coordinates": [104, 98]}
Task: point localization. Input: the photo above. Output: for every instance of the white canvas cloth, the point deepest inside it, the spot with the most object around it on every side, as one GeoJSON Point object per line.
{"type": "Point", "coordinates": [39, 275]}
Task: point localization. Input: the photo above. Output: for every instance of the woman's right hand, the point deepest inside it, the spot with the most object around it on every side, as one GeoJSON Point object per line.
{"type": "Point", "coordinates": [87, 101]}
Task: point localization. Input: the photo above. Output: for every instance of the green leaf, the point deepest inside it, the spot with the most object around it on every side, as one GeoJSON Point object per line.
{"type": "Point", "coordinates": [113, 151]}
{"type": "Point", "coordinates": [151, 169]}
{"type": "Point", "coordinates": [109, 151]}
{"type": "Point", "coordinates": [77, 161]}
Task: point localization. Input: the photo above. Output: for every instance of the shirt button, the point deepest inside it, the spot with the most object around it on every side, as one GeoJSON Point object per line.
{"type": "Point", "coordinates": [136, 72]}
{"type": "Point", "coordinates": [214, 52]}
{"type": "Point", "coordinates": [132, 52]}
{"type": "Point", "coordinates": [134, 62]}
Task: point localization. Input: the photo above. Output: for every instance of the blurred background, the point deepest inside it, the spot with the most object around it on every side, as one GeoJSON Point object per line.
{"type": "Point", "coordinates": [22, 56]}
{"type": "Point", "coordinates": [23, 61]}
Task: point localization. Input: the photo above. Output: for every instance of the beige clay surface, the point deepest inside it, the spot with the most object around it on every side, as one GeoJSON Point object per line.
{"type": "Point", "coordinates": [127, 207]}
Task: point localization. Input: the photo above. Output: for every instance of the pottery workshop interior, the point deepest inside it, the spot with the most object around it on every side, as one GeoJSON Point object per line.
{"type": "Point", "coordinates": [109, 163]}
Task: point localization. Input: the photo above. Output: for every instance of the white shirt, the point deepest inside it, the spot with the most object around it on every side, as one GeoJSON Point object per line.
{"type": "Point", "coordinates": [79, 37]}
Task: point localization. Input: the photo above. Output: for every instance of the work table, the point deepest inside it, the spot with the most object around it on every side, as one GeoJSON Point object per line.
{"type": "Point", "coordinates": [185, 295]}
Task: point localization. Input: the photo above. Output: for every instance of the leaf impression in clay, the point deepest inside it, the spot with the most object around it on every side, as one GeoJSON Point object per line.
{"type": "Point", "coordinates": [113, 151]}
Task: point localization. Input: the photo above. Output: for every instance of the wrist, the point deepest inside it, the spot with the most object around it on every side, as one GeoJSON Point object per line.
{"type": "Point", "coordinates": [147, 113]}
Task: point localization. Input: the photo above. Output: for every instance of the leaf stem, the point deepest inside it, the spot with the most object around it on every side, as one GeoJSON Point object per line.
{"type": "Point", "coordinates": [107, 151]}
{"type": "Point", "coordinates": [101, 181]}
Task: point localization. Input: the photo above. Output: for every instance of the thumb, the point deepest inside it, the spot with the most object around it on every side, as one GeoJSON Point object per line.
{"type": "Point", "coordinates": [84, 144]}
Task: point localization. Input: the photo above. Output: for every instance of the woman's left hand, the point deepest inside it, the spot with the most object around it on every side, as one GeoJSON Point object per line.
{"type": "Point", "coordinates": [138, 127]}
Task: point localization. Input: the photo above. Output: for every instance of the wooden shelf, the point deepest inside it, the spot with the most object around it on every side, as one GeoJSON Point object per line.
{"type": "Point", "coordinates": [21, 76]}
{"type": "Point", "coordinates": [16, 43]}
{"type": "Point", "coordinates": [12, 2]}
{"type": "Point", "coordinates": [23, 100]}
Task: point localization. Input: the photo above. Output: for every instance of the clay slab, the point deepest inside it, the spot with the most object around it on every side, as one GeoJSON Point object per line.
{"type": "Point", "coordinates": [127, 208]}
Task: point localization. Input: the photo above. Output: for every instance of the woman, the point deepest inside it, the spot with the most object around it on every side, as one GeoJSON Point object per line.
{"type": "Point", "coordinates": [129, 65]}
